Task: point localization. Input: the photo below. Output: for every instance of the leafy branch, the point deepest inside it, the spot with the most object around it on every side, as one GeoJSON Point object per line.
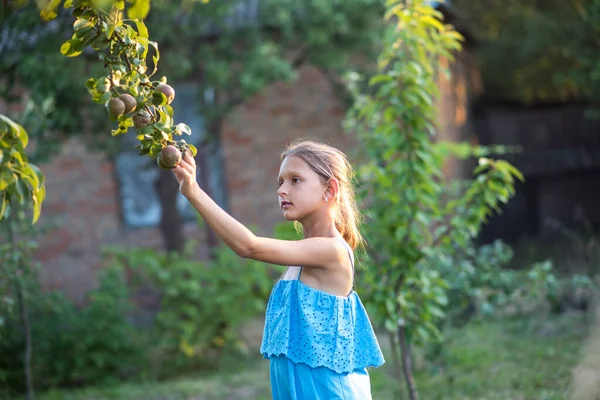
{"type": "Point", "coordinates": [131, 98]}
{"type": "Point", "coordinates": [20, 181]}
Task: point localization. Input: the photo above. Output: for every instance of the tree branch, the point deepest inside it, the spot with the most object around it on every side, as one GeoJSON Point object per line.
{"type": "Point", "coordinates": [340, 90]}
{"type": "Point", "coordinates": [449, 228]}
{"type": "Point", "coordinates": [301, 58]}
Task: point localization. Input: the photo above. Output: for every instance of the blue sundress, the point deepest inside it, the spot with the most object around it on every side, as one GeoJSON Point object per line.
{"type": "Point", "coordinates": [319, 345]}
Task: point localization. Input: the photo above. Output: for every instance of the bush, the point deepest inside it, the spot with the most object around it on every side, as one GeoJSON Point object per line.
{"type": "Point", "coordinates": [480, 282]}
{"type": "Point", "coordinates": [71, 346]}
{"type": "Point", "coordinates": [203, 304]}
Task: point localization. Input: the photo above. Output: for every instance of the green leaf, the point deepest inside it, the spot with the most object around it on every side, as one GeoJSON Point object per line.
{"type": "Point", "coordinates": [7, 178]}
{"type": "Point", "coordinates": [86, 35]}
{"type": "Point", "coordinates": [17, 130]}
{"type": "Point", "coordinates": [90, 84]}
{"type": "Point", "coordinates": [15, 153]}
{"type": "Point", "coordinates": [110, 29]}
{"type": "Point", "coordinates": [379, 78]}
{"type": "Point", "coordinates": [159, 99]}
{"type": "Point", "coordinates": [514, 171]}
{"type": "Point", "coordinates": [192, 149]}
{"type": "Point", "coordinates": [155, 57]}
{"type": "Point", "coordinates": [48, 8]}
{"type": "Point", "coordinates": [72, 48]}
{"type": "Point", "coordinates": [142, 30]}
{"type": "Point", "coordinates": [37, 198]}
{"type": "Point", "coordinates": [21, 190]}
{"type": "Point", "coordinates": [139, 9]}
{"type": "Point", "coordinates": [433, 22]}
{"type": "Point", "coordinates": [4, 205]}
{"type": "Point", "coordinates": [30, 175]}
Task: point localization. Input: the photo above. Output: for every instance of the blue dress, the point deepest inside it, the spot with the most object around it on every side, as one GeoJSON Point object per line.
{"type": "Point", "coordinates": [319, 345]}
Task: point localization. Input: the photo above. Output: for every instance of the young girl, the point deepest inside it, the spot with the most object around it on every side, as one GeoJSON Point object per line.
{"type": "Point", "coordinates": [317, 334]}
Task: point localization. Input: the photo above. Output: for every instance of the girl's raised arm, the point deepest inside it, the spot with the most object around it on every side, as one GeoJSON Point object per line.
{"type": "Point", "coordinates": [319, 252]}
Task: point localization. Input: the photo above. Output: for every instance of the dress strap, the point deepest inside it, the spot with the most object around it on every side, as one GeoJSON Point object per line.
{"type": "Point", "coordinates": [350, 253]}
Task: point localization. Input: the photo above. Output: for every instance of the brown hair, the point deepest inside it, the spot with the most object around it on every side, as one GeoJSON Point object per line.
{"type": "Point", "coordinates": [329, 162]}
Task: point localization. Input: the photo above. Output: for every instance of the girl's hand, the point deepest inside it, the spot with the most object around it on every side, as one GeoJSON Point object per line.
{"type": "Point", "coordinates": [185, 173]}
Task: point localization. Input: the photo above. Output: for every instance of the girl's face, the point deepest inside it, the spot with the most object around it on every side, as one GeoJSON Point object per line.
{"type": "Point", "coordinates": [301, 190]}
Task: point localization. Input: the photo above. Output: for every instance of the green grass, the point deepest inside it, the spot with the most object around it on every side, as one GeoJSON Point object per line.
{"type": "Point", "coordinates": [516, 359]}
{"type": "Point", "coordinates": [510, 359]}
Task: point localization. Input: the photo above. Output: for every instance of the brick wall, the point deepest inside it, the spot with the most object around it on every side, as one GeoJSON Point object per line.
{"type": "Point", "coordinates": [258, 132]}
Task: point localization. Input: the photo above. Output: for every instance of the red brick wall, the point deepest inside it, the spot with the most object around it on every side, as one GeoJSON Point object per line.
{"type": "Point", "coordinates": [258, 132]}
{"type": "Point", "coordinates": [453, 120]}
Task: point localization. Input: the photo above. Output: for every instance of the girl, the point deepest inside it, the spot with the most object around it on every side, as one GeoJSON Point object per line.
{"type": "Point", "coordinates": [317, 334]}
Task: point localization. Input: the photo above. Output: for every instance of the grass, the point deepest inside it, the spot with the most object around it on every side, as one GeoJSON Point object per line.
{"type": "Point", "coordinates": [516, 359]}
{"type": "Point", "coordinates": [510, 359]}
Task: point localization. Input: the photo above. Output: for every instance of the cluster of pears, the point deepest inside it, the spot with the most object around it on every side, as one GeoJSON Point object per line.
{"type": "Point", "coordinates": [170, 156]}
{"type": "Point", "coordinates": [125, 103]}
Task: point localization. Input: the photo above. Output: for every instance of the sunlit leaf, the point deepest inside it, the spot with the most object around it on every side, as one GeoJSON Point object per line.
{"type": "Point", "coordinates": [72, 48]}
{"type": "Point", "coordinates": [16, 130]}
{"type": "Point", "coordinates": [48, 8]}
{"type": "Point", "coordinates": [3, 205]}
{"type": "Point", "coordinates": [192, 149]}
{"type": "Point", "coordinates": [7, 178]}
{"type": "Point", "coordinates": [37, 205]}
{"type": "Point", "coordinates": [139, 9]}
{"type": "Point", "coordinates": [142, 30]}
{"type": "Point", "coordinates": [155, 57]}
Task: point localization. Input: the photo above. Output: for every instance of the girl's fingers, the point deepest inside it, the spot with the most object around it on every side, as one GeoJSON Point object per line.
{"type": "Point", "coordinates": [188, 158]}
{"type": "Point", "coordinates": [187, 166]}
{"type": "Point", "coordinates": [180, 172]}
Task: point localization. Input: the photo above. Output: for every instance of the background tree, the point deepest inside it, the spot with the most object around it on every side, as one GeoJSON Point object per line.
{"type": "Point", "coordinates": [409, 225]}
{"type": "Point", "coordinates": [535, 51]}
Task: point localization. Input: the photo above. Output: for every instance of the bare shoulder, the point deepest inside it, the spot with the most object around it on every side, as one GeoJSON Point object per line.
{"type": "Point", "coordinates": [317, 252]}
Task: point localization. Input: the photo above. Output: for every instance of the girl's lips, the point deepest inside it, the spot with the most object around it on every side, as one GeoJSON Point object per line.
{"type": "Point", "coordinates": [285, 204]}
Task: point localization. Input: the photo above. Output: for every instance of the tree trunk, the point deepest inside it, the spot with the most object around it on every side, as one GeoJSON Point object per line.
{"type": "Point", "coordinates": [406, 362]}
{"type": "Point", "coordinates": [171, 223]}
{"type": "Point", "coordinates": [28, 347]}
{"type": "Point", "coordinates": [396, 357]}
{"type": "Point", "coordinates": [21, 302]}
{"type": "Point", "coordinates": [213, 132]}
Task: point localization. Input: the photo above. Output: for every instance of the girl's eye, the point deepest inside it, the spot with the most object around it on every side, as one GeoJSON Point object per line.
{"type": "Point", "coordinates": [296, 180]}
{"type": "Point", "coordinates": [280, 183]}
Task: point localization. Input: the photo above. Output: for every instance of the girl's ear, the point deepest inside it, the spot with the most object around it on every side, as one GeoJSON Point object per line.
{"type": "Point", "coordinates": [333, 187]}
